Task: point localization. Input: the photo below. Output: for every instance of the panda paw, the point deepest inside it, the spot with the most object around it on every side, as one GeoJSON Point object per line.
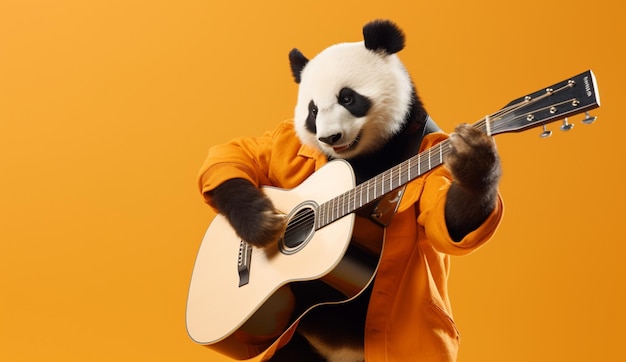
{"type": "Point", "coordinates": [473, 159]}
{"type": "Point", "coordinates": [251, 214]}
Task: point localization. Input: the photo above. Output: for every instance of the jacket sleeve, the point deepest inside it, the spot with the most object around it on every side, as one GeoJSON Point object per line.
{"type": "Point", "coordinates": [246, 158]}
{"type": "Point", "coordinates": [276, 159]}
{"type": "Point", "coordinates": [431, 201]}
{"type": "Point", "coordinates": [432, 217]}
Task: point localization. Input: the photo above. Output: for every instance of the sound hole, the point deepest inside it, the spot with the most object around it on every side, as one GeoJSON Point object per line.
{"type": "Point", "coordinates": [300, 228]}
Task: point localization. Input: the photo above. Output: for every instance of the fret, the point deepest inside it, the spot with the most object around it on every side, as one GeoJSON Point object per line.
{"type": "Point", "coordinates": [374, 188]}
{"type": "Point", "coordinates": [382, 186]}
{"type": "Point", "coordinates": [440, 154]}
{"type": "Point", "coordinates": [399, 177]}
{"type": "Point", "coordinates": [341, 205]}
{"type": "Point", "coordinates": [317, 216]}
{"type": "Point", "coordinates": [320, 216]}
{"type": "Point", "coordinates": [419, 163]}
{"type": "Point", "coordinates": [382, 182]}
{"type": "Point", "coordinates": [341, 202]}
{"type": "Point", "coordinates": [349, 201]}
{"type": "Point", "coordinates": [429, 166]}
{"type": "Point", "coordinates": [328, 213]}
{"type": "Point", "coordinates": [409, 169]}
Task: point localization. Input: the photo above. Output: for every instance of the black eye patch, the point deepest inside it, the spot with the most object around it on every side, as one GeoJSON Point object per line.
{"type": "Point", "coordinates": [358, 105]}
{"type": "Point", "coordinates": [310, 120]}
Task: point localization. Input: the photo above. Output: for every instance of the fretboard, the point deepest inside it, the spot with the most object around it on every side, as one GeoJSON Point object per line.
{"type": "Point", "coordinates": [384, 182]}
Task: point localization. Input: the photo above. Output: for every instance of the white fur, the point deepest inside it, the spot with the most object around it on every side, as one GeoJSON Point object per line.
{"type": "Point", "coordinates": [379, 76]}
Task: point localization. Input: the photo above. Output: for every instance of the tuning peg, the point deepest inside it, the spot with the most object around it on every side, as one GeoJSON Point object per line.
{"type": "Point", "coordinates": [589, 119]}
{"type": "Point", "coordinates": [546, 133]}
{"type": "Point", "coordinates": [566, 126]}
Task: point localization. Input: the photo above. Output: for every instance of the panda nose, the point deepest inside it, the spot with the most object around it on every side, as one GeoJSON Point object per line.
{"type": "Point", "coordinates": [332, 139]}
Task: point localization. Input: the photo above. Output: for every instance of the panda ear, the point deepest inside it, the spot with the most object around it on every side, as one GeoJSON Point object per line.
{"type": "Point", "coordinates": [297, 60]}
{"type": "Point", "coordinates": [383, 35]}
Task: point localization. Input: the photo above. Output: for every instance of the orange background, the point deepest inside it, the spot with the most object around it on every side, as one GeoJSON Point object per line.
{"type": "Point", "coordinates": [107, 110]}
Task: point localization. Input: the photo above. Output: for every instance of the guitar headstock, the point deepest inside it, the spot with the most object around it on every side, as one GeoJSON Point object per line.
{"type": "Point", "coordinates": [572, 96]}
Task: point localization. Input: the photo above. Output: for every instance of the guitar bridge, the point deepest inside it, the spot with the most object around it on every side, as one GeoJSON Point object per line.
{"type": "Point", "coordinates": [243, 262]}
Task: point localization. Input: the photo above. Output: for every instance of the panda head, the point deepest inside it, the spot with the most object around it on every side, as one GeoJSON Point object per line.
{"type": "Point", "coordinates": [353, 97]}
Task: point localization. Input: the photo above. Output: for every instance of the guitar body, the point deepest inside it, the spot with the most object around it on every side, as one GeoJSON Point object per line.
{"type": "Point", "coordinates": [241, 313]}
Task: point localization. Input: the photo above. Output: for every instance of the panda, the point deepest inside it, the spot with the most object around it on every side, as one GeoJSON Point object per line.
{"type": "Point", "coordinates": [357, 102]}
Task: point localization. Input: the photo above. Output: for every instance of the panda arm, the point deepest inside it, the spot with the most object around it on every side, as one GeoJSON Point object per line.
{"type": "Point", "coordinates": [229, 182]}
{"type": "Point", "coordinates": [465, 210]}
{"type": "Point", "coordinates": [438, 231]}
{"type": "Point", "coordinates": [242, 158]}
{"type": "Point", "coordinates": [251, 213]}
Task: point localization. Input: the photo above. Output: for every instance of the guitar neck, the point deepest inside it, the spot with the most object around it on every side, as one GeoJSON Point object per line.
{"type": "Point", "coordinates": [382, 184]}
{"type": "Point", "coordinates": [571, 96]}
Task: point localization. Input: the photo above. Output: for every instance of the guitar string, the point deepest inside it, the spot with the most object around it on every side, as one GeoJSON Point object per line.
{"type": "Point", "coordinates": [377, 185]}
{"type": "Point", "coordinates": [497, 124]}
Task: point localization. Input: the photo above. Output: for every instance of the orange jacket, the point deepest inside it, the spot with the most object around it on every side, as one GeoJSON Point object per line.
{"type": "Point", "coordinates": [409, 316]}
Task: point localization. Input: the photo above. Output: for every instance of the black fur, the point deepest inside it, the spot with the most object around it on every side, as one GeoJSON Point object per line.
{"type": "Point", "coordinates": [354, 102]}
{"type": "Point", "coordinates": [249, 211]}
{"type": "Point", "coordinates": [400, 147]}
{"type": "Point", "coordinates": [311, 118]}
{"type": "Point", "coordinates": [383, 35]}
{"type": "Point", "coordinates": [297, 61]}
{"type": "Point", "coordinates": [475, 166]}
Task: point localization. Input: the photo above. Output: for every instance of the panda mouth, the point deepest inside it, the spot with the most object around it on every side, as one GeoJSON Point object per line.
{"type": "Point", "coordinates": [339, 149]}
